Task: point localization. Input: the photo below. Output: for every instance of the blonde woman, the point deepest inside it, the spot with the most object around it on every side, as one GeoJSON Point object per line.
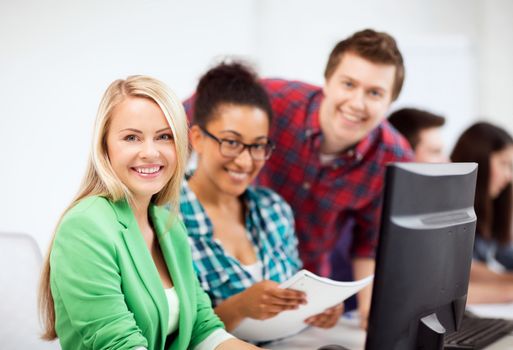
{"type": "Point", "coordinates": [119, 273]}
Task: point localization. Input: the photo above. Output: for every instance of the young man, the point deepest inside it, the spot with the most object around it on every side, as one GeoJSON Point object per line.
{"type": "Point", "coordinates": [422, 130]}
{"type": "Point", "coordinates": [332, 144]}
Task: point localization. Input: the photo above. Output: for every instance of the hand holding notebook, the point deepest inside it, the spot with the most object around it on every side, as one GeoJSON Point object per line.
{"type": "Point", "coordinates": [321, 292]}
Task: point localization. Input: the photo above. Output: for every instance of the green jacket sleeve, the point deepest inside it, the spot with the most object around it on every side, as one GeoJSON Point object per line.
{"type": "Point", "coordinates": [86, 286]}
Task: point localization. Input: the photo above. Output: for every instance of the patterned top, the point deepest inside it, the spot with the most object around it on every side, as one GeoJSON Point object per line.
{"type": "Point", "coordinates": [324, 195]}
{"type": "Point", "coordinates": [270, 227]}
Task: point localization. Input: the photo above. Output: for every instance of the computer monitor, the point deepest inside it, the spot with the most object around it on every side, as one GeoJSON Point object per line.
{"type": "Point", "coordinates": [423, 256]}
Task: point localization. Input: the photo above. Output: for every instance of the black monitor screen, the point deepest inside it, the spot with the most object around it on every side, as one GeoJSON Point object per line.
{"type": "Point", "coordinates": [424, 255]}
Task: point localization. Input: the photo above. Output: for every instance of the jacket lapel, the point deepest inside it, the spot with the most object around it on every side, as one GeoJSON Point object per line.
{"type": "Point", "coordinates": [167, 227]}
{"type": "Point", "coordinates": [143, 262]}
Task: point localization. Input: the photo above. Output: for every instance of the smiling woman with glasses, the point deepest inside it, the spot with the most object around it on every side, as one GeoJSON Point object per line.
{"type": "Point", "coordinates": [242, 237]}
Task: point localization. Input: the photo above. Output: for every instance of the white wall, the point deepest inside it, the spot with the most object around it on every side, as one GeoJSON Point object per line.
{"type": "Point", "coordinates": [439, 47]}
{"type": "Point", "coordinates": [496, 62]}
{"type": "Point", "coordinates": [56, 59]}
{"type": "Point", "coordinates": [58, 56]}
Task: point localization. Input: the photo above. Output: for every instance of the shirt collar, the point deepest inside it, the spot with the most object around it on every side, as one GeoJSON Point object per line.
{"type": "Point", "coordinates": [194, 215]}
{"type": "Point", "coordinates": [313, 124]}
{"type": "Point", "coordinates": [367, 143]}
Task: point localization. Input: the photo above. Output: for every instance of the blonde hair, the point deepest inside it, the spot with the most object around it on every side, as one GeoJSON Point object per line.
{"type": "Point", "coordinates": [100, 178]}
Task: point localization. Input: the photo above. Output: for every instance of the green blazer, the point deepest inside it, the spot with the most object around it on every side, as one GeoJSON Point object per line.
{"type": "Point", "coordinates": [106, 288]}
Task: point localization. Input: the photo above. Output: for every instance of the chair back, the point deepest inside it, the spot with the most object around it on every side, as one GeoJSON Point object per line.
{"type": "Point", "coordinates": [20, 267]}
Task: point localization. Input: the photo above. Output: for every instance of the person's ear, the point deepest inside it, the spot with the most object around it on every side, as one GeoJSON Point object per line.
{"type": "Point", "coordinates": [197, 139]}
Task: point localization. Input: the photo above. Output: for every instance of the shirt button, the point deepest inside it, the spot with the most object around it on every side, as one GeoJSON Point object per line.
{"type": "Point", "coordinates": [306, 185]}
{"type": "Point", "coordinates": [334, 166]}
{"type": "Point", "coordinates": [350, 153]}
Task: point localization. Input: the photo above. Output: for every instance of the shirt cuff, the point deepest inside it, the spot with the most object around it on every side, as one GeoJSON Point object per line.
{"type": "Point", "coordinates": [214, 339]}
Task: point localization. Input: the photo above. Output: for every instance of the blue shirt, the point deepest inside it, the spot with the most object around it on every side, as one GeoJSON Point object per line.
{"type": "Point", "coordinates": [492, 253]}
{"type": "Point", "coordinates": [270, 227]}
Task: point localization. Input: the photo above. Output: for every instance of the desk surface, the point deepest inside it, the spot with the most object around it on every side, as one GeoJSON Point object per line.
{"type": "Point", "coordinates": [348, 333]}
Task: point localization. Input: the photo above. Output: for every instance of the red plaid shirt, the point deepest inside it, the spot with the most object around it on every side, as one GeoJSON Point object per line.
{"type": "Point", "coordinates": [324, 196]}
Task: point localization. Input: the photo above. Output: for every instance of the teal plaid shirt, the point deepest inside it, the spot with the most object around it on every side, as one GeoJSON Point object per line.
{"type": "Point", "coordinates": [270, 227]}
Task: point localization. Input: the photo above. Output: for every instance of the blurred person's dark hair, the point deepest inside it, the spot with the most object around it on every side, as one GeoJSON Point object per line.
{"type": "Point", "coordinates": [411, 121]}
{"type": "Point", "coordinates": [477, 144]}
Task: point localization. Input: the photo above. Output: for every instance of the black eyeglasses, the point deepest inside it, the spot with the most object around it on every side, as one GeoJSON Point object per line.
{"type": "Point", "coordinates": [232, 148]}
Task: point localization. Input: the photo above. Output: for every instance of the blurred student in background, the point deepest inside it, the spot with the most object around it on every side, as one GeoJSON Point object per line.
{"type": "Point", "coordinates": [491, 147]}
{"type": "Point", "coordinates": [422, 129]}
{"type": "Point", "coordinates": [243, 237]}
{"type": "Point", "coordinates": [119, 273]}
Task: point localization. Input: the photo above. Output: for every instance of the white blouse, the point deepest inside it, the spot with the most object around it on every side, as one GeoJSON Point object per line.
{"type": "Point", "coordinates": [255, 270]}
{"type": "Point", "coordinates": [173, 305]}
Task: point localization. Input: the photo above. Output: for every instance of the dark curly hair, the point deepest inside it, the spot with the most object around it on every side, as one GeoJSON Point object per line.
{"type": "Point", "coordinates": [228, 83]}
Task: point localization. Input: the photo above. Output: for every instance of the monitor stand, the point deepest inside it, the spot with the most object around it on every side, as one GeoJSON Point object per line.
{"type": "Point", "coordinates": [430, 333]}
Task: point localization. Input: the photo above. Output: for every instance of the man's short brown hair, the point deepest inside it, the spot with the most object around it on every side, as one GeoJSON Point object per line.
{"type": "Point", "coordinates": [410, 122]}
{"type": "Point", "coordinates": [377, 47]}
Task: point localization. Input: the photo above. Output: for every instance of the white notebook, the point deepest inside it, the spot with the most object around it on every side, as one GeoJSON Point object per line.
{"type": "Point", "coordinates": [321, 293]}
